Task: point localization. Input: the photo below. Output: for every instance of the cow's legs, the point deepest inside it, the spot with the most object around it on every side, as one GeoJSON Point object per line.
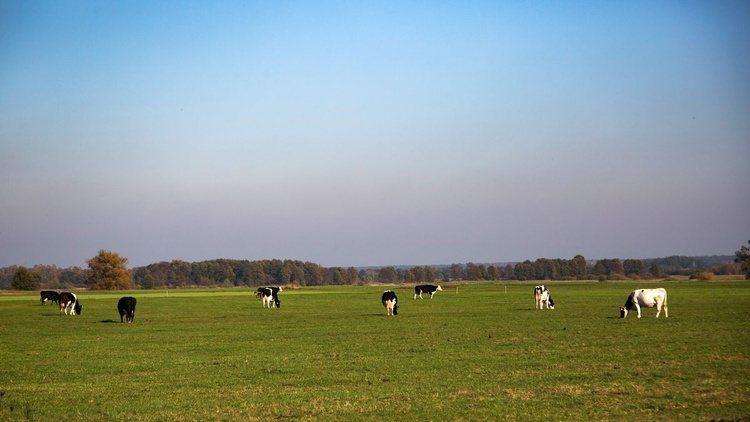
{"type": "Point", "coordinates": [659, 305]}
{"type": "Point", "coordinates": [637, 308]}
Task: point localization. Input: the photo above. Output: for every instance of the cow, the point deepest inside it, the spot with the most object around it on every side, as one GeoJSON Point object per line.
{"type": "Point", "coordinates": [70, 301]}
{"type": "Point", "coordinates": [426, 288]}
{"type": "Point", "coordinates": [126, 308]}
{"type": "Point", "coordinates": [259, 292]}
{"type": "Point", "coordinates": [542, 297]}
{"type": "Point", "coordinates": [50, 295]}
{"type": "Point", "coordinates": [390, 301]}
{"type": "Point", "coordinates": [647, 298]}
{"type": "Point", "coordinates": [271, 297]}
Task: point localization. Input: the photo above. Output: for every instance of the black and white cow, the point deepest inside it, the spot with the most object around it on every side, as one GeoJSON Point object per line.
{"type": "Point", "coordinates": [542, 297]}
{"type": "Point", "coordinates": [270, 297]}
{"type": "Point", "coordinates": [126, 308]}
{"type": "Point", "coordinates": [50, 295]}
{"type": "Point", "coordinates": [645, 298]}
{"type": "Point", "coordinates": [426, 288]}
{"type": "Point", "coordinates": [259, 292]}
{"type": "Point", "coordinates": [70, 301]}
{"type": "Point", "coordinates": [390, 301]}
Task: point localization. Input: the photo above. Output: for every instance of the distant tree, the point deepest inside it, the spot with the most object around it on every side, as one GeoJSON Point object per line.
{"type": "Point", "coordinates": [655, 270]}
{"type": "Point", "coordinates": [409, 276]}
{"type": "Point", "coordinates": [524, 271]}
{"type": "Point", "coordinates": [337, 276]}
{"type": "Point", "coordinates": [26, 279]}
{"type": "Point", "coordinates": [633, 267]}
{"type": "Point", "coordinates": [493, 273]}
{"type": "Point", "coordinates": [417, 275]}
{"type": "Point", "coordinates": [456, 271]}
{"type": "Point", "coordinates": [472, 272]}
{"type": "Point", "coordinates": [352, 276]}
{"type": "Point", "coordinates": [387, 275]}
{"type": "Point", "coordinates": [429, 275]}
{"type": "Point", "coordinates": [482, 271]}
{"type": "Point", "coordinates": [364, 275]}
{"type": "Point", "coordinates": [579, 267]}
{"type": "Point", "coordinates": [109, 271]}
{"type": "Point", "coordinates": [509, 272]}
{"type": "Point", "coordinates": [616, 267]}
{"type": "Point", "coordinates": [743, 258]}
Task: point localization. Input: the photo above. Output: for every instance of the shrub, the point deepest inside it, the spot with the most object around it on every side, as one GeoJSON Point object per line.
{"type": "Point", "coordinates": [701, 276]}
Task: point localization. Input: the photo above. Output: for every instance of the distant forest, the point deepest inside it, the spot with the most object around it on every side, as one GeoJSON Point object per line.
{"type": "Point", "coordinates": [229, 272]}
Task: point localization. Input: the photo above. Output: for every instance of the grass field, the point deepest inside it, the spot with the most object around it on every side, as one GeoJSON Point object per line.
{"type": "Point", "coordinates": [474, 352]}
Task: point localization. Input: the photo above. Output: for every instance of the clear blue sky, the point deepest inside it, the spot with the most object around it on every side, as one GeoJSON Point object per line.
{"type": "Point", "coordinates": [373, 133]}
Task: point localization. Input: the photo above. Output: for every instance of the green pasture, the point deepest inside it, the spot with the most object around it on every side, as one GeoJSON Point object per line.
{"type": "Point", "coordinates": [474, 352]}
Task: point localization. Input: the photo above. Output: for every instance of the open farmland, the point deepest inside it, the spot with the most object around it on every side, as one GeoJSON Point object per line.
{"type": "Point", "coordinates": [474, 352]}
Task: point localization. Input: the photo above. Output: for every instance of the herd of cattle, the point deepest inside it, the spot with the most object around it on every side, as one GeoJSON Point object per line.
{"type": "Point", "coordinates": [647, 298]}
{"type": "Point", "coordinates": [69, 301]}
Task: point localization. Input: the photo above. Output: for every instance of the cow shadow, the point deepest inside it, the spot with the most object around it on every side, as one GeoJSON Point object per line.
{"type": "Point", "coordinates": [107, 321]}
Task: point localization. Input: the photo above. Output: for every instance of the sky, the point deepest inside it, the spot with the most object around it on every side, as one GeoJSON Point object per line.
{"type": "Point", "coordinates": [360, 133]}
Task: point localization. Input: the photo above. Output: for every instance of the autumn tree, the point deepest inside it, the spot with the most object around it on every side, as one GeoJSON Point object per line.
{"type": "Point", "coordinates": [743, 258]}
{"type": "Point", "coordinates": [108, 271]}
{"type": "Point", "coordinates": [26, 279]}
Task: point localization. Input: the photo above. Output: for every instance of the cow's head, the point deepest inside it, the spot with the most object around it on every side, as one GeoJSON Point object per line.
{"type": "Point", "coordinates": [440, 289]}
{"type": "Point", "coordinates": [78, 308]}
{"type": "Point", "coordinates": [551, 303]}
{"type": "Point", "coordinates": [277, 302]}
{"type": "Point", "coordinates": [395, 307]}
{"type": "Point", "coordinates": [623, 312]}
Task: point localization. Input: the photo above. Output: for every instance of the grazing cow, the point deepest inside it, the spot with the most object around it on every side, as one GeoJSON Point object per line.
{"type": "Point", "coordinates": [542, 297]}
{"type": "Point", "coordinates": [647, 298]}
{"type": "Point", "coordinates": [390, 301]}
{"type": "Point", "coordinates": [50, 295]}
{"type": "Point", "coordinates": [70, 301]}
{"type": "Point", "coordinates": [426, 288]}
{"type": "Point", "coordinates": [126, 308]}
{"type": "Point", "coordinates": [271, 297]}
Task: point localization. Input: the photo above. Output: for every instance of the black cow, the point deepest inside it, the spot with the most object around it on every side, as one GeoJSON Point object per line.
{"type": "Point", "coordinates": [390, 301]}
{"type": "Point", "coordinates": [271, 297]}
{"type": "Point", "coordinates": [70, 301]}
{"type": "Point", "coordinates": [50, 295]}
{"type": "Point", "coordinates": [126, 308]}
{"type": "Point", "coordinates": [426, 288]}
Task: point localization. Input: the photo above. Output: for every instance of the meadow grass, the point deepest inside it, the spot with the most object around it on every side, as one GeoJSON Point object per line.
{"type": "Point", "coordinates": [474, 352]}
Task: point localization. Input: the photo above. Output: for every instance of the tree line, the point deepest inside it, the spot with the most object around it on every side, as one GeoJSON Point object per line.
{"type": "Point", "coordinates": [108, 271]}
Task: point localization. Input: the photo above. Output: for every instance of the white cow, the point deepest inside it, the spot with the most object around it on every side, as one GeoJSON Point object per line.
{"type": "Point", "coordinates": [542, 297]}
{"type": "Point", "coordinates": [647, 298]}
